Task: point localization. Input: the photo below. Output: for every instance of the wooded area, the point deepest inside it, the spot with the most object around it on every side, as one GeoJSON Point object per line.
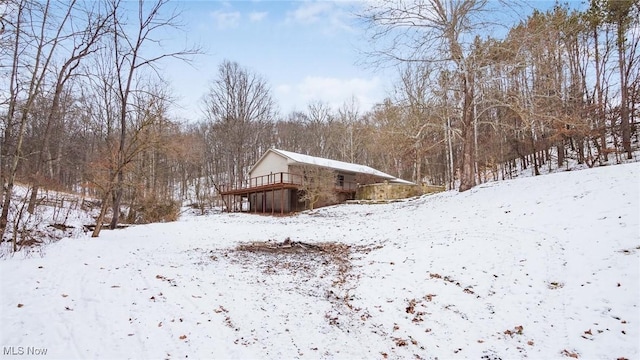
{"type": "Point", "coordinates": [86, 109]}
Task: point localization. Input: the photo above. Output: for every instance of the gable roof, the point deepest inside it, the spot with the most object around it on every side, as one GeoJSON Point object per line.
{"type": "Point", "coordinates": [333, 164]}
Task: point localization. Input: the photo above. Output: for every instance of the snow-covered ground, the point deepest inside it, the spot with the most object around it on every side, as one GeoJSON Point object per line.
{"type": "Point", "coordinates": [544, 267]}
{"type": "Point", "coordinates": [58, 215]}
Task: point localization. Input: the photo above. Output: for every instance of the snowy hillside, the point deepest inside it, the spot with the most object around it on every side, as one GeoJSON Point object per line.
{"type": "Point", "coordinates": [544, 267]}
{"type": "Point", "coordinates": [58, 215]}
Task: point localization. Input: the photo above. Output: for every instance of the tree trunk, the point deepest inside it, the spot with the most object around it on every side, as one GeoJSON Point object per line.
{"type": "Point", "coordinates": [536, 170]}
{"type": "Point", "coordinates": [624, 94]}
{"type": "Point", "coordinates": [34, 195]}
{"type": "Point", "coordinates": [580, 149]}
{"type": "Point", "coordinates": [103, 212]}
{"type": "Point", "coordinates": [467, 169]}
{"type": "Point", "coordinates": [560, 148]}
{"type": "Point", "coordinates": [601, 121]}
{"type": "Point", "coordinates": [117, 199]}
{"type": "Point", "coordinates": [15, 158]}
{"type": "Point", "coordinates": [418, 164]}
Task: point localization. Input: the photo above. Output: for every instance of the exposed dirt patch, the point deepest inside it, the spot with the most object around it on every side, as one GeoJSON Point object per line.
{"type": "Point", "coordinates": [319, 260]}
{"type": "Point", "coordinates": [325, 270]}
{"type": "Point", "coordinates": [290, 246]}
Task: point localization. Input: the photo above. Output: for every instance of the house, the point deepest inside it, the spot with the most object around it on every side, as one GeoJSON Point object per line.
{"type": "Point", "coordinates": [279, 182]}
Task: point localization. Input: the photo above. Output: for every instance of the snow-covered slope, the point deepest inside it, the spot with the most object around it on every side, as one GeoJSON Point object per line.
{"type": "Point", "coordinates": [58, 215]}
{"type": "Point", "coordinates": [544, 267]}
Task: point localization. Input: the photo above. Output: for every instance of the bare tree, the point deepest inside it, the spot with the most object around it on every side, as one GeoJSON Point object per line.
{"type": "Point", "coordinates": [291, 134]}
{"type": "Point", "coordinates": [422, 124]}
{"type": "Point", "coordinates": [387, 145]}
{"type": "Point", "coordinates": [594, 19]}
{"type": "Point", "coordinates": [623, 14]}
{"type": "Point", "coordinates": [317, 120]}
{"type": "Point", "coordinates": [82, 43]}
{"type": "Point", "coordinates": [129, 42]}
{"type": "Point", "coordinates": [240, 110]}
{"type": "Point", "coordinates": [318, 185]}
{"type": "Point", "coordinates": [352, 131]}
{"type": "Point", "coordinates": [438, 32]}
{"type": "Point", "coordinates": [38, 32]}
{"type": "Point", "coordinates": [147, 113]}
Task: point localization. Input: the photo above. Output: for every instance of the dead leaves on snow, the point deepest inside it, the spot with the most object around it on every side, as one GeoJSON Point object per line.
{"type": "Point", "coordinates": [629, 251]}
{"type": "Point", "coordinates": [555, 285]}
{"type": "Point", "coordinates": [571, 354]}
{"type": "Point", "coordinates": [466, 289]}
{"type": "Point", "coordinates": [588, 335]}
{"type": "Point", "coordinates": [400, 342]}
{"type": "Point", "coordinates": [163, 278]}
{"type": "Point", "coordinates": [516, 331]}
{"type": "Point", "coordinates": [220, 309]}
{"type": "Point", "coordinates": [156, 297]}
{"type": "Point", "coordinates": [411, 309]}
{"type": "Point", "coordinates": [227, 319]}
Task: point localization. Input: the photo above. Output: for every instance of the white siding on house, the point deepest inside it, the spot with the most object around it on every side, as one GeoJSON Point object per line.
{"type": "Point", "coordinates": [271, 163]}
{"type": "Point", "coordinates": [276, 161]}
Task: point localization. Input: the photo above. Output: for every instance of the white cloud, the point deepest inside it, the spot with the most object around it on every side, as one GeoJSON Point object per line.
{"type": "Point", "coordinates": [226, 19]}
{"type": "Point", "coordinates": [333, 91]}
{"type": "Point", "coordinates": [310, 12]}
{"type": "Point", "coordinates": [331, 14]}
{"type": "Point", "coordinates": [257, 16]}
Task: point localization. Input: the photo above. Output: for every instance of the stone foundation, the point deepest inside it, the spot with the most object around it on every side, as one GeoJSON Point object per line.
{"type": "Point", "coordinates": [387, 191]}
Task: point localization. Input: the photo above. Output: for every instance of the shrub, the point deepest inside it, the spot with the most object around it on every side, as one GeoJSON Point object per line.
{"type": "Point", "coordinates": [154, 210]}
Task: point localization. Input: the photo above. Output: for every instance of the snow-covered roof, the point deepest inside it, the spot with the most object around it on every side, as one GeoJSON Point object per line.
{"type": "Point", "coordinates": [337, 165]}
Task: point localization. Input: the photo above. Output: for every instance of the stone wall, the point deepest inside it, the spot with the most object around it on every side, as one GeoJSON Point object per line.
{"type": "Point", "coordinates": [429, 189]}
{"type": "Point", "coordinates": [388, 191]}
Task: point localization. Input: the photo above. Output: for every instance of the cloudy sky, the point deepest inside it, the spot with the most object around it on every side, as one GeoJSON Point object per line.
{"type": "Point", "coordinates": [307, 51]}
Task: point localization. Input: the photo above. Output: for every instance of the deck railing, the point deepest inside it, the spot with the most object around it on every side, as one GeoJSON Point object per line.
{"type": "Point", "coordinates": [281, 178]}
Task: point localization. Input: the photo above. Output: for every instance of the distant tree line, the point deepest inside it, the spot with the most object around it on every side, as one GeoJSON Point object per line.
{"type": "Point", "coordinates": [84, 107]}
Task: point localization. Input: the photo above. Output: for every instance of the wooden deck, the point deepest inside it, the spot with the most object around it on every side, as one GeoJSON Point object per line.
{"type": "Point", "coordinates": [266, 187]}
{"type": "Point", "coordinates": [275, 181]}
{"type": "Point", "coordinates": [262, 183]}
{"type": "Point", "coordinates": [267, 193]}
